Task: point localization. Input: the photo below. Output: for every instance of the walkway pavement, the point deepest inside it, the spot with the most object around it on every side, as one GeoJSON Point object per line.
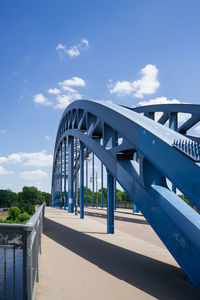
{"type": "Point", "coordinates": [80, 261]}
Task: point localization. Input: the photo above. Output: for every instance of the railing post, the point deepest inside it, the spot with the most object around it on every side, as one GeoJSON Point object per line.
{"type": "Point", "coordinates": [110, 203]}
{"type": "Point", "coordinates": [81, 180]}
{"type": "Point", "coordinates": [71, 175]}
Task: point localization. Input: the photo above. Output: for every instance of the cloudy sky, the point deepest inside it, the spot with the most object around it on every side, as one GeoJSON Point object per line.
{"type": "Point", "coordinates": [52, 52]}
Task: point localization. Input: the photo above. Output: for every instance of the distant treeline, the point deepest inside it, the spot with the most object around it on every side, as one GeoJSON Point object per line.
{"type": "Point", "coordinates": [24, 200]}
{"type": "Point", "coordinates": [121, 196]}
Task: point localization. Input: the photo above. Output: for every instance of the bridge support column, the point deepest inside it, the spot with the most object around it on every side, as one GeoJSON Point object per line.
{"type": "Point", "coordinates": [65, 141]}
{"type": "Point", "coordinates": [93, 179]}
{"type": "Point", "coordinates": [81, 180]}
{"type": "Point", "coordinates": [86, 192]}
{"type": "Point", "coordinates": [135, 209]}
{"type": "Point", "coordinates": [101, 185]}
{"type": "Point", "coordinates": [71, 175]}
{"type": "Point", "coordinates": [57, 184]}
{"type": "Point", "coordinates": [110, 203]}
{"type": "Point", "coordinates": [61, 163]}
{"type": "Point", "coordinates": [115, 198]}
{"type": "Point", "coordinates": [173, 124]}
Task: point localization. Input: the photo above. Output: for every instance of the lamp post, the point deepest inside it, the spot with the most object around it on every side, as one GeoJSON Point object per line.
{"type": "Point", "coordinates": [91, 180]}
{"type": "Point", "coordinates": [87, 159]}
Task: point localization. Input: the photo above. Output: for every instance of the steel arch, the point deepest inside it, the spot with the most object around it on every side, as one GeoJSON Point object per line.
{"type": "Point", "coordinates": [141, 153]}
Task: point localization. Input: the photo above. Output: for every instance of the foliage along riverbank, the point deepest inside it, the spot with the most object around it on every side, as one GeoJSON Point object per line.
{"type": "Point", "coordinates": [21, 205]}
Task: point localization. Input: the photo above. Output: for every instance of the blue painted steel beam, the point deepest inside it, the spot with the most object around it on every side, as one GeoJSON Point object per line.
{"type": "Point", "coordinates": [110, 203]}
{"type": "Point", "coordinates": [164, 118]}
{"type": "Point", "coordinates": [71, 174]}
{"type": "Point", "coordinates": [115, 198]}
{"type": "Point", "coordinates": [81, 180]}
{"type": "Point", "coordinates": [135, 209]}
{"type": "Point", "coordinates": [61, 164]}
{"type": "Point", "coordinates": [101, 185]}
{"type": "Point", "coordinates": [172, 219]}
{"type": "Point", "coordinates": [188, 124]}
{"type": "Point", "coordinates": [86, 192]}
{"type": "Point", "coordinates": [93, 179]}
{"type": "Point", "coordinates": [173, 121]}
{"type": "Point", "coordinates": [65, 198]}
{"type": "Point", "coordinates": [176, 108]}
{"type": "Point", "coordinates": [173, 124]}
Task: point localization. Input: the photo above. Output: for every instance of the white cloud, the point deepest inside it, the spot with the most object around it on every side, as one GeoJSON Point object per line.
{"type": "Point", "coordinates": [15, 158]}
{"type": "Point", "coordinates": [74, 81]}
{"type": "Point", "coordinates": [65, 94]}
{"type": "Point", "coordinates": [33, 175]}
{"type": "Point", "coordinates": [35, 159]}
{"type": "Point", "coordinates": [70, 94]}
{"type": "Point", "coordinates": [147, 85]}
{"type": "Point", "coordinates": [84, 41]}
{"type": "Point", "coordinates": [66, 99]}
{"type": "Point", "coordinates": [60, 47]}
{"type": "Point", "coordinates": [47, 137]}
{"type": "Point", "coordinates": [54, 91]}
{"type": "Point", "coordinates": [3, 159]}
{"type": "Point", "coordinates": [2, 131]}
{"type": "Point", "coordinates": [159, 100]}
{"type": "Point", "coordinates": [122, 88]}
{"type": "Point", "coordinates": [73, 50]}
{"type": "Point", "coordinates": [3, 171]}
{"type": "Point", "coordinates": [41, 99]}
{"type": "Point", "coordinates": [38, 159]}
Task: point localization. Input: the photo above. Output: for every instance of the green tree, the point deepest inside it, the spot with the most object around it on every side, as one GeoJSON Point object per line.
{"type": "Point", "coordinates": [13, 213]}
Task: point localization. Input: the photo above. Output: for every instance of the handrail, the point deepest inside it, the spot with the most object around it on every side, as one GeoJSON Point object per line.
{"type": "Point", "coordinates": [25, 239]}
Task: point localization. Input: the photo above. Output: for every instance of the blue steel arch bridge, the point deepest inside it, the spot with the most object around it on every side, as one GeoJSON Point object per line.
{"type": "Point", "coordinates": [143, 155]}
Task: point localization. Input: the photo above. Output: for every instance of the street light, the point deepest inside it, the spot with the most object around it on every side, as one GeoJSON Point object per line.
{"type": "Point", "coordinates": [95, 178]}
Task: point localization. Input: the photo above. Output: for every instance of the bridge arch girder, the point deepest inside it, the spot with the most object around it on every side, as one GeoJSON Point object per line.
{"type": "Point", "coordinates": [110, 131]}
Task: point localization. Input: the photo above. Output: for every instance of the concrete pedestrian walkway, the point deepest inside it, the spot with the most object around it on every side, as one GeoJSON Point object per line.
{"type": "Point", "coordinates": [80, 261]}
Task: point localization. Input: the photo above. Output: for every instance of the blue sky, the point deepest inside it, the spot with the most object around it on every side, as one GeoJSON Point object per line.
{"type": "Point", "coordinates": [53, 52]}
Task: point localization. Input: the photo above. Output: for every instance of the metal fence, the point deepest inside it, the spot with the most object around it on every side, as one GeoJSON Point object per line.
{"type": "Point", "coordinates": [118, 204]}
{"type": "Point", "coordinates": [20, 246]}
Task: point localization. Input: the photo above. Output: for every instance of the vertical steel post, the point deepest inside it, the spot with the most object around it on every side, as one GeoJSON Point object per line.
{"type": "Point", "coordinates": [93, 179]}
{"type": "Point", "coordinates": [115, 198]}
{"type": "Point", "coordinates": [110, 203]}
{"type": "Point", "coordinates": [135, 209]}
{"type": "Point", "coordinates": [65, 141]}
{"type": "Point", "coordinates": [101, 185]}
{"type": "Point", "coordinates": [96, 189]}
{"type": "Point", "coordinates": [61, 175]}
{"type": "Point", "coordinates": [76, 178]}
{"type": "Point", "coordinates": [70, 174]}
{"type": "Point", "coordinates": [86, 196]}
{"type": "Point", "coordinates": [56, 204]}
{"type": "Point", "coordinates": [173, 124]}
{"type": "Point", "coordinates": [81, 180]}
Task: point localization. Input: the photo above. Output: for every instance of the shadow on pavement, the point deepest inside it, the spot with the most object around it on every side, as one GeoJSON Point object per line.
{"type": "Point", "coordinates": [117, 218]}
{"type": "Point", "coordinates": [159, 279]}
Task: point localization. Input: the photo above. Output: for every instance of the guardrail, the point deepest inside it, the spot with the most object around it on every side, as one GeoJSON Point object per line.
{"type": "Point", "coordinates": [118, 204]}
{"type": "Point", "coordinates": [20, 246]}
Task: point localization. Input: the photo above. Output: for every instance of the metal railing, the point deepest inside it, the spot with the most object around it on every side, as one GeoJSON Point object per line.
{"type": "Point", "coordinates": [20, 246]}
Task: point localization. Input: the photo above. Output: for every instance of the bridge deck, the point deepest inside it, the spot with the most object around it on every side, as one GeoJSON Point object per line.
{"type": "Point", "coordinates": [80, 261]}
